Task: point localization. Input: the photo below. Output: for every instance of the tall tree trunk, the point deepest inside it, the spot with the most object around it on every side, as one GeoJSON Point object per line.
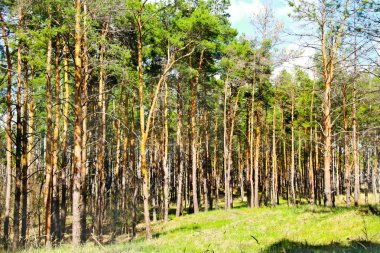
{"type": "Point", "coordinates": [329, 55]}
{"type": "Point", "coordinates": [300, 170]}
{"type": "Point", "coordinates": [180, 146]}
{"type": "Point", "coordinates": [194, 87]}
{"type": "Point", "coordinates": [327, 143]}
{"type": "Point", "coordinates": [102, 142]}
{"type": "Point", "coordinates": [215, 165]}
{"type": "Point", "coordinates": [257, 153]}
{"type": "Point", "coordinates": [18, 172]}
{"type": "Point", "coordinates": [8, 175]}
{"type": "Point", "coordinates": [116, 177]}
{"type": "Point", "coordinates": [240, 169]}
{"type": "Point", "coordinates": [375, 173]}
{"type": "Point", "coordinates": [233, 110]}
{"type": "Point", "coordinates": [165, 157]}
{"type": "Point", "coordinates": [136, 179]}
{"type": "Point", "coordinates": [25, 160]}
{"type": "Point", "coordinates": [125, 157]}
{"type": "Point", "coordinates": [267, 172]}
{"type": "Point", "coordinates": [55, 171]}
{"type": "Point", "coordinates": [76, 231]}
{"type": "Point", "coordinates": [248, 154]}
{"type": "Point", "coordinates": [317, 167]}
{"type": "Point", "coordinates": [311, 165]}
{"type": "Point", "coordinates": [347, 167]}
{"type": "Point", "coordinates": [355, 148]}
{"type": "Point", "coordinates": [207, 185]}
{"type": "Point", "coordinates": [142, 127]}
{"type": "Point", "coordinates": [65, 162]}
{"type": "Point", "coordinates": [251, 144]}
{"type": "Point", "coordinates": [274, 160]}
{"type": "Point", "coordinates": [49, 142]}
{"type": "Point", "coordinates": [32, 153]}
{"type": "Point", "coordinates": [83, 196]}
{"type": "Point", "coordinates": [226, 150]}
{"type": "Point", "coordinates": [292, 165]}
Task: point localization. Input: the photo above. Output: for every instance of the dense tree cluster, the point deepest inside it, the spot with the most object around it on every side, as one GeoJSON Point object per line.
{"type": "Point", "coordinates": [114, 112]}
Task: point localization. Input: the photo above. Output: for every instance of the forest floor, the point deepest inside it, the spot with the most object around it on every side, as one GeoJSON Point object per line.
{"type": "Point", "coordinates": [280, 229]}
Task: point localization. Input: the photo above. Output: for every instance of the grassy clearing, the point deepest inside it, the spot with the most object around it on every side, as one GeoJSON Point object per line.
{"type": "Point", "coordinates": [280, 229]}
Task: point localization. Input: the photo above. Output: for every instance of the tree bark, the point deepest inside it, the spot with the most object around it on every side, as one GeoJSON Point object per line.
{"type": "Point", "coordinates": [142, 128]}
{"type": "Point", "coordinates": [102, 131]}
{"type": "Point", "coordinates": [329, 54]}
{"type": "Point", "coordinates": [76, 230]}
{"type": "Point", "coordinates": [311, 164]}
{"type": "Point", "coordinates": [165, 158]}
{"type": "Point", "coordinates": [292, 164]}
{"type": "Point", "coordinates": [25, 160]}
{"type": "Point", "coordinates": [347, 167]}
{"type": "Point", "coordinates": [194, 87]}
{"type": "Point", "coordinates": [84, 169]}
{"type": "Point", "coordinates": [355, 149]}
{"type": "Point", "coordinates": [180, 146]}
{"type": "Point", "coordinates": [65, 163]}
{"type": "Point", "coordinates": [18, 172]}
{"type": "Point", "coordinates": [55, 170]}
{"type": "Point", "coordinates": [257, 154]}
{"type": "Point", "coordinates": [49, 142]}
{"type": "Point", "coordinates": [274, 160]}
{"type": "Point", "coordinates": [8, 133]}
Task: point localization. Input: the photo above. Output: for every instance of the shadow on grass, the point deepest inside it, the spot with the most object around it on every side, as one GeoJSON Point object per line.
{"type": "Point", "coordinates": [370, 210]}
{"type": "Point", "coordinates": [192, 228]}
{"type": "Point", "coordinates": [365, 210]}
{"type": "Point", "coordinates": [334, 247]}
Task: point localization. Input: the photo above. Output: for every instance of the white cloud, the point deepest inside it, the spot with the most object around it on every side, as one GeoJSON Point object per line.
{"type": "Point", "coordinates": [241, 10]}
{"type": "Point", "coordinates": [304, 60]}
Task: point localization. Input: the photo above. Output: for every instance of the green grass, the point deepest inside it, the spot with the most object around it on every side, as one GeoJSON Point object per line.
{"type": "Point", "coordinates": [279, 229]}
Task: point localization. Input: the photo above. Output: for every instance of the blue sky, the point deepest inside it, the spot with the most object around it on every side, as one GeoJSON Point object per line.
{"type": "Point", "coordinates": [241, 12]}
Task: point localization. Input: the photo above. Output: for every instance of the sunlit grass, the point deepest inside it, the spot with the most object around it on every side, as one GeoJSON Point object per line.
{"type": "Point", "coordinates": [266, 229]}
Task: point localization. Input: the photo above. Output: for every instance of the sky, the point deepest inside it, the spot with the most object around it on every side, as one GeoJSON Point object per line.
{"type": "Point", "coordinates": [241, 12]}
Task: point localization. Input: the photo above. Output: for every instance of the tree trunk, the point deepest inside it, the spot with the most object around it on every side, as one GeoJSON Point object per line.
{"type": "Point", "coordinates": [251, 144]}
{"type": "Point", "coordinates": [327, 143]}
{"type": "Point", "coordinates": [233, 110]}
{"type": "Point", "coordinates": [25, 160]}
{"type": "Point", "coordinates": [65, 163]}
{"type": "Point", "coordinates": [257, 154]}
{"type": "Point", "coordinates": [49, 142]}
{"type": "Point", "coordinates": [180, 146]}
{"type": "Point", "coordinates": [311, 165]}
{"type": "Point", "coordinates": [76, 231]}
{"type": "Point", "coordinates": [375, 174]}
{"type": "Point", "coordinates": [18, 172]}
{"type": "Point", "coordinates": [83, 196]}
{"type": "Point", "coordinates": [142, 129]}
{"type": "Point", "coordinates": [125, 157]}
{"type": "Point", "coordinates": [215, 165]}
{"type": "Point", "coordinates": [194, 87]}
{"type": "Point", "coordinates": [8, 175]}
{"type": "Point", "coordinates": [226, 150]}
{"type": "Point", "coordinates": [165, 157]}
{"type": "Point", "coordinates": [347, 169]}
{"type": "Point", "coordinates": [55, 201]}
{"type": "Point", "coordinates": [274, 161]}
{"type": "Point", "coordinates": [136, 179]}
{"type": "Point", "coordinates": [292, 170]}
{"type": "Point", "coordinates": [355, 148]}
{"type": "Point", "coordinates": [102, 142]}
{"type": "Point", "coordinates": [204, 163]}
